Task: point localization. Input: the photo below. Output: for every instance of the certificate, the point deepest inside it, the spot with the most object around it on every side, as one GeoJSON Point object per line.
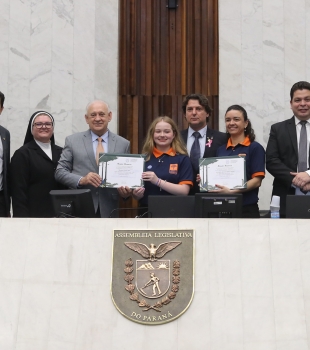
{"type": "Point", "coordinates": [225, 171]}
{"type": "Point", "coordinates": [118, 170]}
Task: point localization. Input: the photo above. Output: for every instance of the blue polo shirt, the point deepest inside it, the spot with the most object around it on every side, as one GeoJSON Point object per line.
{"type": "Point", "coordinates": [255, 163]}
{"type": "Point", "coordinates": [172, 167]}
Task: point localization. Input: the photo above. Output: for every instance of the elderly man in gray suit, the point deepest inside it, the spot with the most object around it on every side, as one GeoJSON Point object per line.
{"type": "Point", "coordinates": [78, 164]}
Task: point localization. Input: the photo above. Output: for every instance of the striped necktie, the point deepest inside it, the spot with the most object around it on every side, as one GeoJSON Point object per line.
{"type": "Point", "coordinates": [99, 149]}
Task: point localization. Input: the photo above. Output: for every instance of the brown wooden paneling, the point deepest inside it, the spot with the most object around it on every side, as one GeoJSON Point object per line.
{"type": "Point", "coordinates": [165, 55]}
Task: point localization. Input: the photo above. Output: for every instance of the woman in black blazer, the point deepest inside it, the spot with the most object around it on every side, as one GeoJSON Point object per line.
{"type": "Point", "coordinates": [32, 169]}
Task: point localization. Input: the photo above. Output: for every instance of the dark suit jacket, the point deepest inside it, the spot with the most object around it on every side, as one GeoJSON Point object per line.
{"type": "Point", "coordinates": [218, 139]}
{"type": "Point", "coordinates": [5, 138]}
{"type": "Point", "coordinates": [282, 158]}
{"type": "Point", "coordinates": [32, 180]}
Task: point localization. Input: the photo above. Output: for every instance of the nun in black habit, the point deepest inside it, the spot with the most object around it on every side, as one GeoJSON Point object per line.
{"type": "Point", "coordinates": [32, 169]}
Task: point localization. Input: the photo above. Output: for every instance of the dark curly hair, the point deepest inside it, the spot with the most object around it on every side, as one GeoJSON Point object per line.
{"type": "Point", "coordinates": [203, 101]}
{"type": "Point", "coordinates": [248, 130]}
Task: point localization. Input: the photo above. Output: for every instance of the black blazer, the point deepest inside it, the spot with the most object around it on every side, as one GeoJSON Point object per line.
{"type": "Point", "coordinates": [5, 138]}
{"type": "Point", "coordinates": [32, 180]}
{"type": "Point", "coordinates": [282, 158]}
{"type": "Point", "coordinates": [218, 139]}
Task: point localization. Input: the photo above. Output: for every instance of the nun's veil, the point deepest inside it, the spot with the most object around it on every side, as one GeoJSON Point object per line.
{"type": "Point", "coordinates": [29, 136]}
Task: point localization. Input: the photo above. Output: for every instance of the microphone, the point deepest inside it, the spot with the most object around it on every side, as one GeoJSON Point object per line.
{"type": "Point", "coordinates": [141, 216]}
{"type": "Point", "coordinates": [119, 209]}
{"type": "Point", "coordinates": [65, 215]}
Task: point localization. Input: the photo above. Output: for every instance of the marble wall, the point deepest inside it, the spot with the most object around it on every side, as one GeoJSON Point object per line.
{"type": "Point", "coordinates": [252, 286]}
{"type": "Point", "coordinates": [264, 50]}
{"type": "Point", "coordinates": [57, 55]}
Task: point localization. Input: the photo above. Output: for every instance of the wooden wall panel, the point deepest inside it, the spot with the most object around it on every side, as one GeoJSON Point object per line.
{"type": "Point", "coordinates": [165, 54]}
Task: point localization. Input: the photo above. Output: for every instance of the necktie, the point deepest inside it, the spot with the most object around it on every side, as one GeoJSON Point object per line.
{"type": "Point", "coordinates": [195, 152]}
{"type": "Point", "coordinates": [99, 149]}
{"type": "Point", "coordinates": [302, 152]}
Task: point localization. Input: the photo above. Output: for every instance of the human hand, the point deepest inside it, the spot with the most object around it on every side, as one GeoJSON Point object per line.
{"type": "Point", "coordinates": [306, 187]}
{"type": "Point", "coordinates": [124, 191]}
{"type": "Point", "coordinates": [198, 179]}
{"type": "Point", "coordinates": [150, 176]}
{"type": "Point", "coordinates": [138, 193]}
{"type": "Point", "coordinates": [300, 179]}
{"type": "Point", "coordinates": [91, 179]}
{"type": "Point", "coordinates": [221, 189]}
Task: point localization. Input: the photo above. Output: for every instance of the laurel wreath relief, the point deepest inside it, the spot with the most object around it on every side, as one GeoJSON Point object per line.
{"type": "Point", "coordinates": [143, 303]}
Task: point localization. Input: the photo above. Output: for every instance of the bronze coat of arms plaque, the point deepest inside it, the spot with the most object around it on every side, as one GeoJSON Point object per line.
{"type": "Point", "coordinates": [152, 274]}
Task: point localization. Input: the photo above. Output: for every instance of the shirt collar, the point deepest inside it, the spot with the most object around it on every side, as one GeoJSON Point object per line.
{"type": "Point", "coordinates": [297, 121]}
{"type": "Point", "coordinates": [246, 142]}
{"type": "Point", "coordinates": [158, 153]}
{"type": "Point", "coordinates": [202, 131]}
{"type": "Point", "coordinates": [104, 137]}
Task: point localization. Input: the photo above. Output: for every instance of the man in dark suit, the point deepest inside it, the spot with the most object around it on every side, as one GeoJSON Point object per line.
{"type": "Point", "coordinates": [197, 110]}
{"type": "Point", "coordinates": [5, 201]}
{"type": "Point", "coordinates": [78, 166]}
{"type": "Point", "coordinates": [283, 157]}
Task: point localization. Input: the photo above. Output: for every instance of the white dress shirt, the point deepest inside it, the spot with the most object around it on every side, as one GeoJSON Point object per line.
{"type": "Point", "coordinates": [105, 142]}
{"type": "Point", "coordinates": [1, 165]}
{"type": "Point", "coordinates": [298, 130]}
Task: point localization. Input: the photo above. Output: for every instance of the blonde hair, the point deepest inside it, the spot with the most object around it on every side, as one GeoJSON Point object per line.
{"type": "Point", "coordinates": [177, 143]}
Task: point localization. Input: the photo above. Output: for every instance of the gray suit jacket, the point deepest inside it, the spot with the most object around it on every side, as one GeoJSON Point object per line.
{"type": "Point", "coordinates": [78, 159]}
{"type": "Point", "coordinates": [5, 138]}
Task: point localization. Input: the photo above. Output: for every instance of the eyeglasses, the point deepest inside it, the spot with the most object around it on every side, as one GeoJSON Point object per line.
{"type": "Point", "coordinates": [41, 125]}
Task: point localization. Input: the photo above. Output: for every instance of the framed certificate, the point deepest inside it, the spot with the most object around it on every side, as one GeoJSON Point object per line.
{"type": "Point", "coordinates": [225, 171]}
{"type": "Point", "coordinates": [118, 170]}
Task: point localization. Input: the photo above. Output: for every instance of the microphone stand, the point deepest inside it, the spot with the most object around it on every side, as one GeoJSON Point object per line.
{"type": "Point", "coordinates": [115, 210]}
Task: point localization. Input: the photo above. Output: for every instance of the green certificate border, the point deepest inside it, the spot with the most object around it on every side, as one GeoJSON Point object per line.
{"type": "Point", "coordinates": [204, 162]}
{"type": "Point", "coordinates": [107, 157]}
